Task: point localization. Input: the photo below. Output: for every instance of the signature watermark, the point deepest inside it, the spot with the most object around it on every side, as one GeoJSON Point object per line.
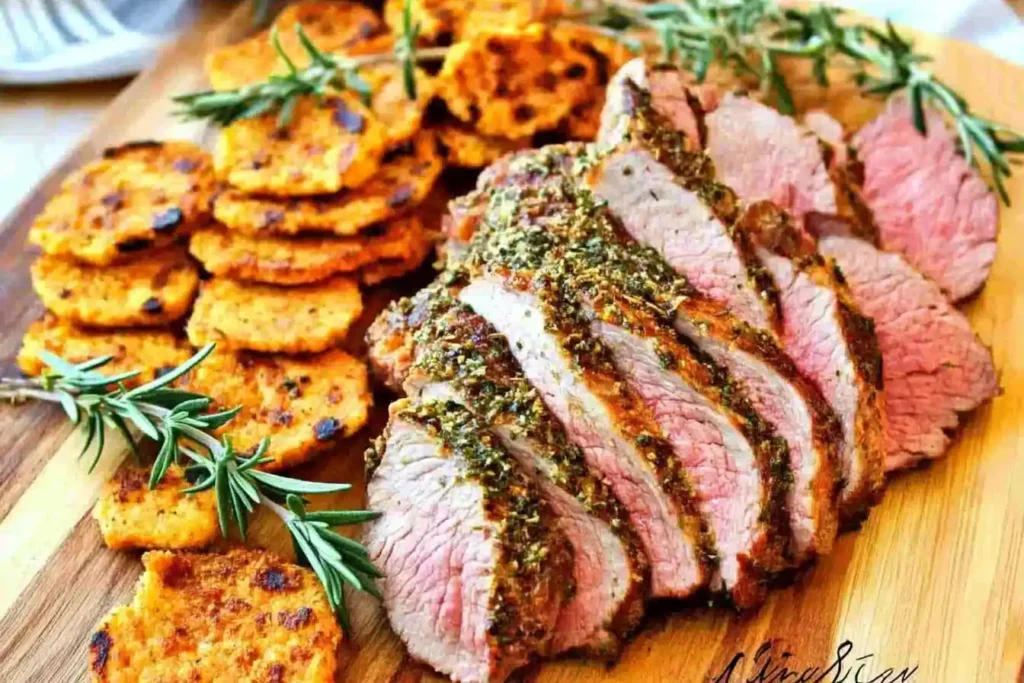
{"type": "Point", "coordinates": [845, 667]}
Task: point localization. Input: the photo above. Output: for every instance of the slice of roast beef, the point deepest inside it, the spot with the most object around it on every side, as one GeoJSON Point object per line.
{"type": "Point", "coordinates": [460, 357]}
{"type": "Point", "coordinates": [929, 203]}
{"type": "Point", "coordinates": [666, 197]}
{"type": "Point", "coordinates": [934, 367]}
{"type": "Point", "coordinates": [832, 344]}
{"type": "Point", "coordinates": [476, 572]}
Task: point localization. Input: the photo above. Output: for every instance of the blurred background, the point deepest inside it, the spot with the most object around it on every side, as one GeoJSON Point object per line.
{"type": "Point", "coordinates": [63, 61]}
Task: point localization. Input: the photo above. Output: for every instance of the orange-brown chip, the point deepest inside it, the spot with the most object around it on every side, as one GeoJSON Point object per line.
{"type": "Point", "coordinates": [340, 27]}
{"type": "Point", "coordinates": [400, 116]}
{"type": "Point", "coordinates": [514, 83]}
{"type": "Point", "coordinates": [139, 195]}
{"type": "Point", "coordinates": [332, 144]}
{"type": "Point", "coordinates": [403, 181]}
{"type": "Point", "coordinates": [446, 21]}
{"type": "Point", "coordinates": [131, 515]}
{"type": "Point", "coordinates": [464, 147]}
{"type": "Point", "coordinates": [245, 315]}
{"type": "Point", "coordinates": [152, 352]}
{"type": "Point", "coordinates": [156, 289]}
{"type": "Point", "coordinates": [302, 260]}
{"type": "Point", "coordinates": [304, 405]}
{"type": "Point", "coordinates": [244, 616]}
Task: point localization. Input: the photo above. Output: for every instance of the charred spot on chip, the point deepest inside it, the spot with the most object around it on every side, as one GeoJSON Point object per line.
{"type": "Point", "coordinates": [401, 196]}
{"type": "Point", "coordinates": [273, 217]}
{"type": "Point", "coordinates": [326, 428]}
{"type": "Point", "coordinates": [276, 673]}
{"type": "Point", "coordinates": [273, 579]}
{"type": "Point", "coordinates": [281, 417]}
{"type": "Point", "coordinates": [495, 45]}
{"type": "Point", "coordinates": [111, 152]}
{"type": "Point", "coordinates": [185, 165]}
{"type": "Point", "coordinates": [113, 200]}
{"type": "Point", "coordinates": [64, 293]}
{"type": "Point", "coordinates": [130, 246]}
{"type": "Point", "coordinates": [169, 219]}
{"type": "Point", "coordinates": [281, 133]}
{"type": "Point", "coordinates": [178, 572]}
{"type": "Point", "coordinates": [524, 112]}
{"type": "Point", "coordinates": [292, 387]}
{"type": "Point", "coordinates": [576, 71]}
{"type": "Point", "coordinates": [547, 81]}
{"type": "Point", "coordinates": [99, 648]}
{"type": "Point", "coordinates": [352, 121]}
{"type": "Point", "coordinates": [152, 305]}
{"type": "Point", "coordinates": [398, 151]}
{"type": "Point", "coordinates": [194, 475]}
{"type": "Point", "coordinates": [293, 621]}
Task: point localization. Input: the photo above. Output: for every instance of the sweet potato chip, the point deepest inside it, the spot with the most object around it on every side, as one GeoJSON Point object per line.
{"type": "Point", "coordinates": [244, 615]}
{"type": "Point", "coordinates": [155, 289]}
{"type": "Point", "coordinates": [133, 516]}
{"type": "Point", "coordinates": [405, 178]}
{"type": "Point", "coordinates": [302, 260]}
{"type": "Point", "coordinates": [304, 405]}
{"type": "Point", "coordinates": [330, 144]}
{"type": "Point", "coordinates": [139, 195]}
{"type": "Point", "coordinates": [152, 352]}
{"type": "Point", "coordinates": [245, 315]}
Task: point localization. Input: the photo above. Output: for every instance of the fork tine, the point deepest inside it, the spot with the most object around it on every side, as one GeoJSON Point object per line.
{"type": "Point", "coordinates": [102, 16]}
{"type": "Point", "coordinates": [28, 39]}
{"type": "Point", "coordinates": [75, 21]}
{"type": "Point", "coordinates": [47, 29]}
{"type": "Point", "coordinates": [8, 45]}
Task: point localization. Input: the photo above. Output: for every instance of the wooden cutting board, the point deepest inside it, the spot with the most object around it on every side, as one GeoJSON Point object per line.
{"type": "Point", "coordinates": [931, 586]}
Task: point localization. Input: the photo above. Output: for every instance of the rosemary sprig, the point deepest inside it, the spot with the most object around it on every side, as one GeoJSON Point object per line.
{"type": "Point", "coordinates": [751, 36]}
{"type": "Point", "coordinates": [326, 73]}
{"type": "Point", "coordinates": [173, 417]}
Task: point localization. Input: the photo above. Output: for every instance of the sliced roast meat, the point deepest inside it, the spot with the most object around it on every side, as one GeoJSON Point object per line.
{"type": "Point", "coordinates": [934, 367]}
{"type": "Point", "coordinates": [476, 572]}
{"type": "Point", "coordinates": [460, 357]}
{"type": "Point", "coordinates": [578, 382]}
{"type": "Point", "coordinates": [779, 392]}
{"type": "Point", "coordinates": [832, 344]}
{"type": "Point", "coordinates": [736, 462]}
{"type": "Point", "coordinates": [929, 203]}
{"type": "Point", "coordinates": [666, 198]}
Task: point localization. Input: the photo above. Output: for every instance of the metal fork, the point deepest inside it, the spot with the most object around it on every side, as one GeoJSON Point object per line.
{"type": "Point", "coordinates": [33, 29]}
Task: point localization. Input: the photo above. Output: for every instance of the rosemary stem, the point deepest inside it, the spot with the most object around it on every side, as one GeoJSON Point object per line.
{"type": "Point", "coordinates": [22, 393]}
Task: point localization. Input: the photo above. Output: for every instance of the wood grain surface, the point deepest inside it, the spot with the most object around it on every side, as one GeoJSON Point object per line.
{"type": "Point", "coordinates": [931, 589]}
